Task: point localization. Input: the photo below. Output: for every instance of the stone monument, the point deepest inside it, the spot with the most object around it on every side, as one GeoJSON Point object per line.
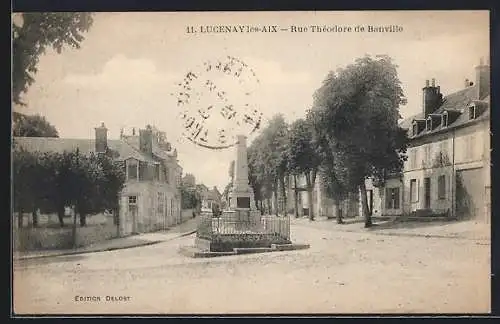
{"type": "Point", "coordinates": [242, 207]}
{"type": "Point", "coordinates": [242, 196]}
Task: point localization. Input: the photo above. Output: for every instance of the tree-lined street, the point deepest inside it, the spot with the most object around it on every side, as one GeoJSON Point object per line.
{"type": "Point", "coordinates": [341, 272]}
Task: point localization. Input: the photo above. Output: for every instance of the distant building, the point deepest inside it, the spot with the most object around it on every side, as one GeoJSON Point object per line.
{"type": "Point", "coordinates": [189, 180]}
{"type": "Point", "coordinates": [151, 197]}
{"type": "Point", "coordinates": [323, 206]}
{"type": "Point", "coordinates": [209, 197]}
{"type": "Point", "coordinates": [448, 166]}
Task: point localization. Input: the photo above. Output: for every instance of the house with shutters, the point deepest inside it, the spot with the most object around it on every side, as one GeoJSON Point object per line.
{"type": "Point", "coordinates": [448, 166]}
{"type": "Point", "coordinates": [150, 199]}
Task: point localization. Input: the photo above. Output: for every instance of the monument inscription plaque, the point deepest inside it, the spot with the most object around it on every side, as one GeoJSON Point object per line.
{"type": "Point", "coordinates": [243, 202]}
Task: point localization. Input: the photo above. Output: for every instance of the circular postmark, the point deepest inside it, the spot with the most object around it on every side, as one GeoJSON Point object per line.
{"type": "Point", "coordinates": [218, 102]}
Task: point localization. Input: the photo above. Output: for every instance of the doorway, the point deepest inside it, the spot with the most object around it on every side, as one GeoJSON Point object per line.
{"type": "Point", "coordinates": [131, 223]}
{"type": "Point", "coordinates": [427, 193]}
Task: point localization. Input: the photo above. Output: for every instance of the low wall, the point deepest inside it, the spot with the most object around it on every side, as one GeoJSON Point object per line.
{"type": "Point", "coordinates": [33, 239]}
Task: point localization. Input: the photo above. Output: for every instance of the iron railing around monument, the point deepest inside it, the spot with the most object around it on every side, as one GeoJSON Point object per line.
{"type": "Point", "coordinates": [234, 224]}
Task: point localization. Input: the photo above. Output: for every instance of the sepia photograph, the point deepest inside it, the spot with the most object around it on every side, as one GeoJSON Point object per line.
{"type": "Point", "coordinates": [259, 163]}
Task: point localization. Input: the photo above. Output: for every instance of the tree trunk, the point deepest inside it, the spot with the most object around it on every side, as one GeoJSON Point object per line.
{"type": "Point", "coordinates": [283, 192]}
{"type": "Point", "coordinates": [296, 196]}
{"type": "Point", "coordinates": [364, 205]}
{"type": "Point", "coordinates": [60, 215]}
{"type": "Point", "coordinates": [276, 206]}
{"type": "Point", "coordinates": [34, 216]}
{"type": "Point", "coordinates": [310, 196]}
{"type": "Point", "coordinates": [20, 218]}
{"type": "Point", "coordinates": [338, 211]}
{"type": "Point", "coordinates": [261, 203]}
{"type": "Point", "coordinates": [116, 213]}
{"type": "Point", "coordinates": [73, 229]}
{"type": "Point", "coordinates": [83, 219]}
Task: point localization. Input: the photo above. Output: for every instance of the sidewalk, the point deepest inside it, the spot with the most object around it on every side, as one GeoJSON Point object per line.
{"type": "Point", "coordinates": [441, 229]}
{"type": "Point", "coordinates": [143, 239]}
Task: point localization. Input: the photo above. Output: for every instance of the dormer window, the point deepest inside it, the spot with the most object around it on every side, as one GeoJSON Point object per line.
{"type": "Point", "coordinates": [428, 124]}
{"type": "Point", "coordinates": [444, 119]}
{"type": "Point", "coordinates": [472, 112]}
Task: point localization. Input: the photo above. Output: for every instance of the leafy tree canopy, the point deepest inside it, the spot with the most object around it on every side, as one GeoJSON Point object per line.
{"type": "Point", "coordinates": [359, 109]}
{"type": "Point", "coordinates": [33, 33]}
{"type": "Point", "coordinates": [32, 126]}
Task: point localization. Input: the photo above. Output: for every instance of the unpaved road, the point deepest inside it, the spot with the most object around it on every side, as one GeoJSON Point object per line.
{"type": "Point", "coordinates": [342, 272]}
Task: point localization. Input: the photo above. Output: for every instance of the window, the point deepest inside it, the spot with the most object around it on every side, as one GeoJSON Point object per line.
{"type": "Point", "coordinates": [442, 187]}
{"type": "Point", "coordinates": [443, 153]}
{"type": "Point", "coordinates": [157, 172]}
{"type": "Point", "coordinates": [132, 203]}
{"type": "Point", "coordinates": [469, 147]}
{"type": "Point", "coordinates": [472, 112]}
{"type": "Point", "coordinates": [161, 203]}
{"type": "Point", "coordinates": [392, 198]}
{"type": "Point", "coordinates": [132, 170]}
{"type": "Point", "coordinates": [428, 124]}
{"type": "Point", "coordinates": [413, 190]}
{"type": "Point", "coordinates": [427, 154]}
{"type": "Point", "coordinates": [443, 148]}
{"type": "Point", "coordinates": [413, 158]}
{"type": "Point", "coordinates": [166, 174]}
{"type": "Point", "coordinates": [444, 120]}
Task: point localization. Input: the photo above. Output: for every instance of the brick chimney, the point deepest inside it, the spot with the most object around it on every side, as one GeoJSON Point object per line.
{"type": "Point", "coordinates": [482, 79]}
{"type": "Point", "coordinates": [146, 140]}
{"type": "Point", "coordinates": [101, 139]}
{"type": "Point", "coordinates": [432, 97]}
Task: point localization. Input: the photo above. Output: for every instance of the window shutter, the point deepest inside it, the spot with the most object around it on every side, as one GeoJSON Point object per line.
{"type": "Point", "coordinates": [418, 190]}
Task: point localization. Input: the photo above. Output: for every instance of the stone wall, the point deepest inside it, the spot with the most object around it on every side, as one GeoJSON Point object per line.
{"type": "Point", "coordinates": [33, 239]}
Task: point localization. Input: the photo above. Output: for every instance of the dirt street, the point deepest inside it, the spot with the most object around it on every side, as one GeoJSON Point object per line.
{"type": "Point", "coordinates": [342, 272]}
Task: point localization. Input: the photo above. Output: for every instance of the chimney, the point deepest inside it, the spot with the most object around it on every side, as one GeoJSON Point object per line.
{"type": "Point", "coordinates": [482, 80]}
{"type": "Point", "coordinates": [432, 97]}
{"type": "Point", "coordinates": [101, 139]}
{"type": "Point", "coordinates": [146, 140]}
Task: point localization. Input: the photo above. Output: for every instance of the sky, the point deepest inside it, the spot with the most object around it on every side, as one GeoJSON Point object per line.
{"type": "Point", "coordinates": [126, 73]}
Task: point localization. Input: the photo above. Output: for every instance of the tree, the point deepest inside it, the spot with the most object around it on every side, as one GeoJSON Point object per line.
{"type": "Point", "coordinates": [274, 150]}
{"type": "Point", "coordinates": [109, 185]}
{"type": "Point", "coordinates": [303, 157]}
{"type": "Point", "coordinates": [33, 32]}
{"type": "Point", "coordinates": [359, 106]}
{"type": "Point", "coordinates": [32, 126]}
{"type": "Point", "coordinates": [189, 197]}
{"type": "Point", "coordinates": [254, 176]}
{"type": "Point", "coordinates": [336, 178]}
{"type": "Point", "coordinates": [53, 181]}
{"type": "Point", "coordinates": [23, 165]}
{"type": "Point", "coordinates": [231, 171]}
{"type": "Point", "coordinates": [259, 177]}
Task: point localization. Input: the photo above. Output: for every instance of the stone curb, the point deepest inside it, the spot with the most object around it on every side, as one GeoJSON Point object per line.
{"type": "Point", "coordinates": [101, 249]}
{"type": "Point", "coordinates": [195, 253]}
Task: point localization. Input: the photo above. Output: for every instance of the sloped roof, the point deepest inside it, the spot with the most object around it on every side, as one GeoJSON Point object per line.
{"type": "Point", "coordinates": [456, 102]}
{"type": "Point", "coordinates": [86, 146]}
{"type": "Point", "coordinates": [133, 140]}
